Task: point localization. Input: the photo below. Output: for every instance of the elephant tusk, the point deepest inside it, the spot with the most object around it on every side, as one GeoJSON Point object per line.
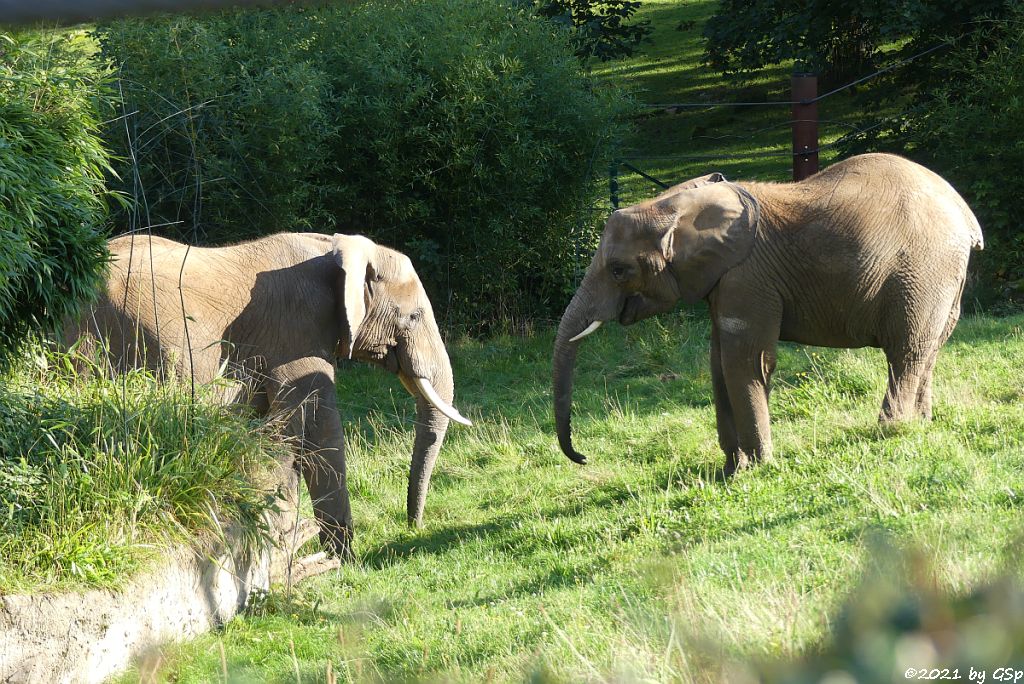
{"type": "Point", "coordinates": [431, 395]}
{"type": "Point", "coordinates": [589, 329]}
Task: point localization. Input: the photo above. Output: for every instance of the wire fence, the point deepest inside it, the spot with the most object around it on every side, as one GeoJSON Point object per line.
{"type": "Point", "coordinates": [632, 176]}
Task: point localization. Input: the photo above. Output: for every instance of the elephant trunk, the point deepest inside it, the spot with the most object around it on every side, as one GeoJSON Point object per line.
{"type": "Point", "coordinates": [431, 426]}
{"type": "Point", "coordinates": [574, 321]}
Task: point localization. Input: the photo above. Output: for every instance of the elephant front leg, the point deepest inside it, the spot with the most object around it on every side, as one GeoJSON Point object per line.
{"type": "Point", "coordinates": [727, 438]}
{"type": "Point", "coordinates": [323, 468]}
{"type": "Point", "coordinates": [305, 390]}
{"type": "Point", "coordinates": [747, 370]}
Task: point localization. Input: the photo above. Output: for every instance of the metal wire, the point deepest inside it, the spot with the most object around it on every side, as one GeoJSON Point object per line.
{"type": "Point", "coordinates": [78, 11]}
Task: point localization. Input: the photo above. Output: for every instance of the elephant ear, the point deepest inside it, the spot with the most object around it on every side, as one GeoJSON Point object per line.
{"type": "Point", "coordinates": [354, 254]}
{"type": "Point", "coordinates": [713, 227]}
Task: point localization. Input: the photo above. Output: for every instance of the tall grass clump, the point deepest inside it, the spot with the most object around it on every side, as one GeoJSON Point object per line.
{"type": "Point", "coordinates": [53, 95]}
{"type": "Point", "coordinates": [463, 132]}
{"type": "Point", "coordinates": [95, 473]}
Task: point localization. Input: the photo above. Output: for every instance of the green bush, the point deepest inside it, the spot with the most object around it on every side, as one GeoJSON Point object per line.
{"type": "Point", "coordinates": [94, 472]}
{"type": "Point", "coordinates": [227, 125]}
{"type": "Point", "coordinates": [462, 132]}
{"type": "Point", "coordinates": [600, 28]}
{"type": "Point", "coordinates": [52, 193]}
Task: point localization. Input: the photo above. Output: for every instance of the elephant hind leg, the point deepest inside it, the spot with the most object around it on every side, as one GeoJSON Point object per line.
{"type": "Point", "coordinates": [923, 405]}
{"type": "Point", "coordinates": [924, 392]}
{"type": "Point", "coordinates": [909, 374]}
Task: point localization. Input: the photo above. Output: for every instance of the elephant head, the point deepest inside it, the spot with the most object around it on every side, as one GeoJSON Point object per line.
{"type": "Point", "coordinates": [389, 322]}
{"type": "Point", "coordinates": [651, 255]}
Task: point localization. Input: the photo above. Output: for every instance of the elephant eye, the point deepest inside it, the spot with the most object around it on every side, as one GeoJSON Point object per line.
{"type": "Point", "coordinates": [618, 272]}
{"type": "Point", "coordinates": [416, 315]}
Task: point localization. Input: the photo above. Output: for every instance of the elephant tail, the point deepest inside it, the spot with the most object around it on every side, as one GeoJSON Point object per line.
{"type": "Point", "coordinates": [973, 227]}
{"type": "Point", "coordinates": [977, 242]}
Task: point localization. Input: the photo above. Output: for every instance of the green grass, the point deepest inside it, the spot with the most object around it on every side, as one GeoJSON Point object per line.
{"type": "Point", "coordinates": [97, 475]}
{"type": "Point", "coordinates": [530, 564]}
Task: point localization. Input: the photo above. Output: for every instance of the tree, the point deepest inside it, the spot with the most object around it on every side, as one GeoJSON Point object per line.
{"type": "Point", "coordinates": [600, 27]}
{"type": "Point", "coordinates": [838, 38]}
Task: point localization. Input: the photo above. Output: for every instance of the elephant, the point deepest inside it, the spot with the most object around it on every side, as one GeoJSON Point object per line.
{"type": "Point", "coordinates": [273, 315]}
{"type": "Point", "coordinates": [870, 252]}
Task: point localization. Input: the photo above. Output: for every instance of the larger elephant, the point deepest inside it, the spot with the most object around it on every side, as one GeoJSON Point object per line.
{"type": "Point", "coordinates": [871, 252]}
{"type": "Point", "coordinates": [273, 315]}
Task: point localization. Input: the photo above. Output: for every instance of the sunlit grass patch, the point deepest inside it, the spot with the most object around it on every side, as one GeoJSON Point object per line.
{"type": "Point", "coordinates": [528, 563]}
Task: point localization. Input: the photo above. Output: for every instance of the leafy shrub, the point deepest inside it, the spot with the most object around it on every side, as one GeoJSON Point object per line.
{"type": "Point", "coordinates": [95, 471]}
{"type": "Point", "coordinates": [899, 625]}
{"type": "Point", "coordinates": [228, 125]}
{"type": "Point", "coordinates": [52, 194]}
{"type": "Point", "coordinates": [460, 131]}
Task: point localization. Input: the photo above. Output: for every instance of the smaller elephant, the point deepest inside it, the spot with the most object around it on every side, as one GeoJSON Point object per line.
{"type": "Point", "coordinates": [272, 315]}
{"type": "Point", "coordinates": [871, 252]}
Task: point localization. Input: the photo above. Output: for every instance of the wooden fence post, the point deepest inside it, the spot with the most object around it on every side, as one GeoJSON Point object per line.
{"type": "Point", "coordinates": [803, 88]}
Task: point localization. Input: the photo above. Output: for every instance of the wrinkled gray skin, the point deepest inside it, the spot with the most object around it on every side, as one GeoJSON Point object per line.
{"type": "Point", "coordinates": [272, 315]}
{"type": "Point", "coordinates": [871, 252]}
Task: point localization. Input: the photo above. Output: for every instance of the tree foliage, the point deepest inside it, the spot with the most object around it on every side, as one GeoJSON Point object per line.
{"type": "Point", "coordinates": [52, 192]}
{"type": "Point", "coordinates": [463, 132]}
{"type": "Point", "coordinates": [839, 38]}
{"type": "Point", "coordinates": [600, 28]}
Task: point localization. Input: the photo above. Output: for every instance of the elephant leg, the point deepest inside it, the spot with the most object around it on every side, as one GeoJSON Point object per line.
{"type": "Point", "coordinates": [747, 369]}
{"type": "Point", "coordinates": [924, 392]}
{"type": "Point", "coordinates": [305, 390]}
{"type": "Point", "coordinates": [727, 437]}
{"type": "Point", "coordinates": [923, 404]}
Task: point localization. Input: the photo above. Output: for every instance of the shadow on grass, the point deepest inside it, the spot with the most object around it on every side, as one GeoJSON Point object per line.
{"type": "Point", "coordinates": [435, 542]}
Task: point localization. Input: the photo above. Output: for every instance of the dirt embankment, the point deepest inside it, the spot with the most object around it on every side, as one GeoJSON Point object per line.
{"type": "Point", "coordinates": [89, 636]}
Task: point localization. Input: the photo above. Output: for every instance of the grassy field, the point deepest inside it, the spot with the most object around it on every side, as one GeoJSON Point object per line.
{"type": "Point", "coordinates": [645, 564]}
{"type": "Point", "coordinates": [530, 564]}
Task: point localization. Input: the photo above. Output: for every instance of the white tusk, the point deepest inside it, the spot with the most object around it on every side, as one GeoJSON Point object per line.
{"type": "Point", "coordinates": [431, 395]}
{"type": "Point", "coordinates": [589, 329]}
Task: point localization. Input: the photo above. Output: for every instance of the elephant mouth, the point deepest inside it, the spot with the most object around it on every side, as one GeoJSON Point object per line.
{"type": "Point", "coordinates": [381, 355]}
{"type": "Point", "coordinates": [389, 359]}
{"type": "Point", "coordinates": [628, 315]}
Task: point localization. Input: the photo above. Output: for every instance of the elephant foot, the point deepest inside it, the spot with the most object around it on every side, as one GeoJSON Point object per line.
{"type": "Point", "coordinates": [286, 568]}
{"type": "Point", "coordinates": [338, 544]}
{"type": "Point", "coordinates": [734, 462]}
{"type": "Point", "coordinates": [309, 566]}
